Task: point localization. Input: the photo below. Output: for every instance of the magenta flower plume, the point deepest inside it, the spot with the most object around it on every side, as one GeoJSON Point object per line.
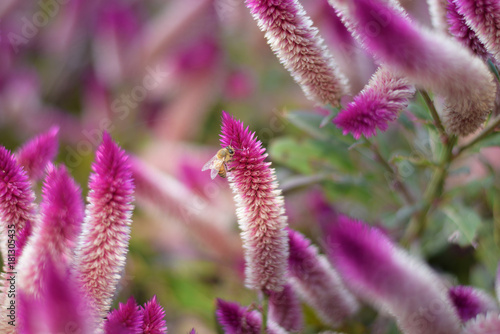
{"type": "Point", "coordinates": [470, 302]}
{"type": "Point", "coordinates": [192, 331]}
{"type": "Point", "coordinates": [153, 318]}
{"type": "Point", "coordinates": [296, 43]}
{"type": "Point", "coordinates": [36, 153]}
{"type": "Point", "coordinates": [376, 105]}
{"type": "Point", "coordinates": [483, 324]}
{"type": "Point", "coordinates": [390, 279]}
{"type": "Point", "coordinates": [60, 307]}
{"type": "Point", "coordinates": [260, 208]}
{"type": "Point", "coordinates": [426, 59]}
{"type": "Point", "coordinates": [483, 16]}
{"type": "Point", "coordinates": [463, 33]}
{"type": "Point", "coordinates": [103, 244]}
{"type": "Point", "coordinates": [317, 282]}
{"type": "Point", "coordinates": [127, 319]}
{"type": "Point", "coordinates": [61, 215]}
{"type": "Point", "coordinates": [285, 309]}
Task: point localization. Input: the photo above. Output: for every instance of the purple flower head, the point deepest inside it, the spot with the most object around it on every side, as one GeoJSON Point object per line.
{"type": "Point", "coordinates": [127, 319]}
{"type": "Point", "coordinates": [463, 33]}
{"type": "Point", "coordinates": [260, 208]}
{"type": "Point", "coordinates": [296, 43]}
{"type": "Point", "coordinates": [153, 318]}
{"type": "Point", "coordinates": [390, 279]}
{"type": "Point", "coordinates": [470, 302]}
{"type": "Point", "coordinates": [61, 215]}
{"type": "Point", "coordinates": [103, 244]}
{"type": "Point", "coordinates": [483, 324]}
{"type": "Point", "coordinates": [426, 59]}
{"type": "Point", "coordinates": [376, 105]}
{"type": "Point", "coordinates": [285, 309]}
{"type": "Point", "coordinates": [317, 282]}
{"type": "Point", "coordinates": [36, 153]}
{"type": "Point", "coordinates": [192, 331]}
{"type": "Point", "coordinates": [59, 308]}
{"type": "Point", "coordinates": [483, 17]}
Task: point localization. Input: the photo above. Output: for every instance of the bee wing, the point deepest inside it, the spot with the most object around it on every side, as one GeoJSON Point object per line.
{"type": "Point", "coordinates": [214, 172]}
{"type": "Point", "coordinates": [210, 163]}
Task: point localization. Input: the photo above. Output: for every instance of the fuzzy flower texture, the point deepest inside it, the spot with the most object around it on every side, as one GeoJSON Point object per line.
{"type": "Point", "coordinates": [69, 262]}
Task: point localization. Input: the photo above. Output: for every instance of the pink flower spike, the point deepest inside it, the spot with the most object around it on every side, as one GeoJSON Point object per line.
{"type": "Point", "coordinates": [470, 302]}
{"type": "Point", "coordinates": [103, 244]}
{"type": "Point", "coordinates": [61, 215]}
{"type": "Point", "coordinates": [483, 16]}
{"type": "Point", "coordinates": [393, 281]}
{"type": "Point", "coordinates": [427, 59]}
{"type": "Point", "coordinates": [60, 307]}
{"type": "Point", "coordinates": [285, 309]}
{"type": "Point", "coordinates": [192, 331]}
{"type": "Point", "coordinates": [260, 208]}
{"type": "Point", "coordinates": [483, 324]}
{"type": "Point", "coordinates": [35, 154]}
{"type": "Point", "coordinates": [317, 282]}
{"type": "Point", "coordinates": [300, 49]}
{"type": "Point", "coordinates": [376, 105]}
{"type": "Point", "coordinates": [153, 319]}
{"type": "Point", "coordinates": [127, 319]}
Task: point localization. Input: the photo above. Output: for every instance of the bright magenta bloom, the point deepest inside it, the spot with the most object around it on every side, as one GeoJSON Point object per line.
{"type": "Point", "coordinates": [470, 302]}
{"type": "Point", "coordinates": [153, 321]}
{"type": "Point", "coordinates": [260, 208]}
{"type": "Point", "coordinates": [127, 319]}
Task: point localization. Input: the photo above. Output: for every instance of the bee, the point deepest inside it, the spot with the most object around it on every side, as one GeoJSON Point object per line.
{"type": "Point", "coordinates": [218, 163]}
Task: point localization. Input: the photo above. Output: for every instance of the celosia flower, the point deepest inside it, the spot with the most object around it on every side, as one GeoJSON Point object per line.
{"type": "Point", "coordinates": [300, 49]}
{"type": "Point", "coordinates": [317, 282]}
{"type": "Point", "coordinates": [470, 302]}
{"type": "Point", "coordinates": [36, 153]}
{"type": "Point", "coordinates": [285, 309]}
{"type": "Point", "coordinates": [153, 318]}
{"type": "Point", "coordinates": [192, 331]}
{"type": "Point", "coordinates": [61, 215]}
{"type": "Point", "coordinates": [483, 16]}
{"type": "Point", "coordinates": [103, 244]}
{"type": "Point", "coordinates": [427, 59]}
{"type": "Point", "coordinates": [483, 324]}
{"type": "Point", "coordinates": [377, 104]}
{"type": "Point", "coordinates": [462, 32]}
{"type": "Point", "coordinates": [394, 282]}
{"type": "Point", "coordinates": [260, 208]}
{"type": "Point", "coordinates": [127, 319]}
{"type": "Point", "coordinates": [59, 308]}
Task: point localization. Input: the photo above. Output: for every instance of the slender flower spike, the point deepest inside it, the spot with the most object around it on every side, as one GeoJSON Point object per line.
{"type": "Point", "coordinates": [483, 324]}
{"type": "Point", "coordinates": [376, 105]}
{"type": "Point", "coordinates": [463, 33]}
{"type": "Point", "coordinates": [127, 319]}
{"type": "Point", "coordinates": [260, 208]}
{"type": "Point", "coordinates": [35, 154]}
{"type": "Point", "coordinates": [103, 244]}
{"type": "Point", "coordinates": [483, 16]}
{"type": "Point", "coordinates": [317, 282]}
{"type": "Point", "coordinates": [427, 59]}
{"type": "Point", "coordinates": [390, 279]}
{"type": "Point", "coordinates": [470, 302]}
{"type": "Point", "coordinates": [153, 318]}
{"type": "Point", "coordinates": [300, 49]}
{"type": "Point", "coordinates": [61, 213]}
{"type": "Point", "coordinates": [285, 309]}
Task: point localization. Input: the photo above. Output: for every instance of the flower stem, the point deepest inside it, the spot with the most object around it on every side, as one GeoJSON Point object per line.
{"type": "Point", "coordinates": [434, 114]}
{"type": "Point", "coordinates": [484, 134]}
{"type": "Point", "coordinates": [265, 304]}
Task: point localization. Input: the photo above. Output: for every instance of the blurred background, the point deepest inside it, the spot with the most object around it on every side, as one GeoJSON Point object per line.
{"type": "Point", "coordinates": [156, 75]}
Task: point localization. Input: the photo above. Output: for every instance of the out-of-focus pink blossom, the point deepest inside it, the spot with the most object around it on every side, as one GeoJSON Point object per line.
{"type": "Point", "coordinates": [285, 309]}
{"type": "Point", "coordinates": [483, 324]}
{"type": "Point", "coordinates": [470, 302]}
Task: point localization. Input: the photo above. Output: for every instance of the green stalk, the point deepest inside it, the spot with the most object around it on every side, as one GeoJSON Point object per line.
{"type": "Point", "coordinates": [265, 305]}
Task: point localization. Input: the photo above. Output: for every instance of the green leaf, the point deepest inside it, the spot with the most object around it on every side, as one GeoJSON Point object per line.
{"type": "Point", "coordinates": [466, 220]}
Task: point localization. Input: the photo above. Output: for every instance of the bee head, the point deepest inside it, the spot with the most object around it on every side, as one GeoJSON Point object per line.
{"type": "Point", "coordinates": [230, 150]}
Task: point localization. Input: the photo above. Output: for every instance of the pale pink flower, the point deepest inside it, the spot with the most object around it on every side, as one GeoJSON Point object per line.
{"type": "Point", "coordinates": [483, 324]}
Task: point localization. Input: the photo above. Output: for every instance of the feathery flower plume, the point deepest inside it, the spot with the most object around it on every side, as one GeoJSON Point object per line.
{"type": "Point", "coordinates": [483, 16]}
{"type": "Point", "coordinates": [377, 271]}
{"type": "Point", "coordinates": [470, 302]}
{"type": "Point", "coordinates": [61, 215]}
{"type": "Point", "coordinates": [463, 33]}
{"type": "Point", "coordinates": [285, 309]}
{"type": "Point", "coordinates": [438, 11]}
{"type": "Point", "coordinates": [103, 243]}
{"type": "Point", "coordinates": [300, 49]}
{"type": "Point", "coordinates": [317, 282]}
{"type": "Point", "coordinates": [59, 308]}
{"type": "Point", "coordinates": [377, 104]}
{"type": "Point", "coordinates": [260, 208]}
{"type": "Point", "coordinates": [427, 59]}
{"type": "Point", "coordinates": [127, 319]}
{"type": "Point", "coordinates": [36, 153]}
{"type": "Point", "coordinates": [153, 318]}
{"type": "Point", "coordinates": [483, 324]}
